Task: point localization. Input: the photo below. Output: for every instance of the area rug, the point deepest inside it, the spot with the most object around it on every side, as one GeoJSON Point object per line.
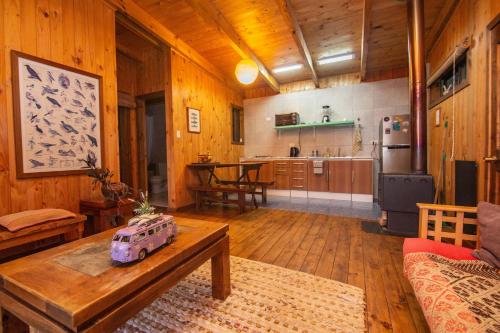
{"type": "Point", "coordinates": [264, 298]}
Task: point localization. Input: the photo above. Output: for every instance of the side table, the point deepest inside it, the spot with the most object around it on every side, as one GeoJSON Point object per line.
{"type": "Point", "coordinates": [105, 214]}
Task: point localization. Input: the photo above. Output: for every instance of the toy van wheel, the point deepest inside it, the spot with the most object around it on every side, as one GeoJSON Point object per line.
{"type": "Point", "coordinates": [170, 239]}
{"type": "Point", "coordinates": [142, 254]}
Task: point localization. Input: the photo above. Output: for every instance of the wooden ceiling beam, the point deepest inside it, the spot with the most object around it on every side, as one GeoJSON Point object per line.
{"type": "Point", "coordinates": [365, 36]}
{"type": "Point", "coordinates": [288, 14]}
{"type": "Point", "coordinates": [138, 15]}
{"type": "Point", "coordinates": [214, 17]}
{"type": "Point", "coordinates": [441, 20]}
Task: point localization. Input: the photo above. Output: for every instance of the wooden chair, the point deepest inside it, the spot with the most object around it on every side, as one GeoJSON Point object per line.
{"type": "Point", "coordinates": [441, 222]}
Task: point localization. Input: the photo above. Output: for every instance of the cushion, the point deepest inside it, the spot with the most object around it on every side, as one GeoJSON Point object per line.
{"type": "Point", "coordinates": [28, 218]}
{"type": "Point", "coordinates": [488, 217]}
{"type": "Point", "coordinates": [414, 245]}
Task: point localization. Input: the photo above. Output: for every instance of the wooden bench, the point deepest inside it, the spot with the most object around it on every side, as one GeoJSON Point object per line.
{"type": "Point", "coordinates": [262, 184]}
{"type": "Point", "coordinates": [71, 229]}
{"type": "Point", "coordinates": [201, 195]}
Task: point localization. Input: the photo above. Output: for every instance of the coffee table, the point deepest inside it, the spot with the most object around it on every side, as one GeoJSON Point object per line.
{"type": "Point", "coordinates": [76, 288]}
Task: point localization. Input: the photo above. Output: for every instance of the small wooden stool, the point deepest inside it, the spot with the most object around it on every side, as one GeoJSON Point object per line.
{"type": "Point", "coordinates": [105, 214]}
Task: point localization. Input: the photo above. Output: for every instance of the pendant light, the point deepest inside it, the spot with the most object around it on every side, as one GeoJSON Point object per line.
{"type": "Point", "coordinates": [246, 71]}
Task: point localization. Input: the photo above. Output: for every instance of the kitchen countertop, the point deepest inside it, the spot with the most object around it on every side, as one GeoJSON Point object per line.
{"type": "Point", "coordinates": [308, 158]}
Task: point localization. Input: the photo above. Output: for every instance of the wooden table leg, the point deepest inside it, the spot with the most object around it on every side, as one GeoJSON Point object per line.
{"type": "Point", "coordinates": [264, 194]}
{"type": "Point", "coordinates": [241, 201]}
{"type": "Point", "coordinates": [221, 279]}
{"type": "Point", "coordinates": [12, 324]}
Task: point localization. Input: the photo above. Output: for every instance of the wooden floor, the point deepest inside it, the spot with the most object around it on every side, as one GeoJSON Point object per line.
{"type": "Point", "coordinates": [331, 247]}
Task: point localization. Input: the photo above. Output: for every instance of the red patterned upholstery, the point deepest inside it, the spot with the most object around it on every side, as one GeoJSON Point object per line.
{"type": "Point", "coordinates": [414, 245]}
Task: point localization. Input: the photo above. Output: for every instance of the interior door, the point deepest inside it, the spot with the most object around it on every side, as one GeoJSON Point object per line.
{"type": "Point", "coordinates": [492, 158]}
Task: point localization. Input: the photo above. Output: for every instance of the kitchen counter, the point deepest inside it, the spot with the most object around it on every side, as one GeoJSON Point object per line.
{"type": "Point", "coordinates": [306, 158]}
{"type": "Point", "coordinates": [342, 178]}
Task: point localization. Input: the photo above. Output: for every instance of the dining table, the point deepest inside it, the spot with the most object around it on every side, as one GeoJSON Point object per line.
{"type": "Point", "coordinates": [243, 178]}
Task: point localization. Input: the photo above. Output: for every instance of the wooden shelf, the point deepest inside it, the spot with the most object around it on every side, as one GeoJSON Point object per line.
{"type": "Point", "coordinates": [341, 123]}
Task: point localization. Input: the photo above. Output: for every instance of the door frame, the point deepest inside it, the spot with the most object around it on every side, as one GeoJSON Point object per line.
{"type": "Point", "coordinates": [492, 183]}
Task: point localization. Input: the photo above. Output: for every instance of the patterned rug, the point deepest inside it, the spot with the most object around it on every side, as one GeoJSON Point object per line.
{"type": "Point", "coordinates": [264, 298]}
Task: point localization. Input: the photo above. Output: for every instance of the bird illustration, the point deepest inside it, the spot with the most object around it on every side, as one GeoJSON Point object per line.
{"type": "Point", "coordinates": [48, 122]}
{"type": "Point", "coordinates": [62, 142]}
{"type": "Point", "coordinates": [33, 74]}
{"type": "Point", "coordinates": [79, 94]}
{"type": "Point", "coordinates": [31, 143]}
{"type": "Point", "coordinates": [33, 117]}
{"type": "Point", "coordinates": [66, 153]}
{"type": "Point", "coordinates": [92, 96]}
{"type": "Point", "coordinates": [78, 84]}
{"type": "Point", "coordinates": [47, 145]}
{"type": "Point", "coordinates": [53, 101]}
{"type": "Point", "coordinates": [38, 153]}
{"type": "Point", "coordinates": [70, 112]}
{"type": "Point", "coordinates": [64, 81]}
{"type": "Point", "coordinates": [81, 149]}
{"type": "Point", "coordinates": [48, 113]}
{"type": "Point", "coordinates": [93, 140]}
{"type": "Point", "coordinates": [77, 103]}
{"type": "Point", "coordinates": [49, 90]}
{"type": "Point", "coordinates": [89, 85]}
{"type": "Point", "coordinates": [36, 164]}
{"type": "Point", "coordinates": [32, 99]}
{"type": "Point", "coordinates": [92, 127]}
{"type": "Point", "coordinates": [38, 129]}
{"type": "Point", "coordinates": [49, 75]}
{"type": "Point", "coordinates": [68, 128]}
{"type": "Point", "coordinates": [91, 158]}
{"type": "Point", "coordinates": [54, 132]}
{"type": "Point", "coordinates": [87, 113]}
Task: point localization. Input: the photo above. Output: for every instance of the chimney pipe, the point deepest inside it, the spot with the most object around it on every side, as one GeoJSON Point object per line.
{"type": "Point", "coordinates": [417, 86]}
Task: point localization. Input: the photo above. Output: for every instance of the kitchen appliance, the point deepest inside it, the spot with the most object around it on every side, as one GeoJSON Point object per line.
{"type": "Point", "coordinates": [327, 113]}
{"type": "Point", "coordinates": [398, 197]}
{"type": "Point", "coordinates": [395, 139]}
{"type": "Point", "coordinates": [287, 119]}
{"type": "Point", "coordinates": [294, 152]}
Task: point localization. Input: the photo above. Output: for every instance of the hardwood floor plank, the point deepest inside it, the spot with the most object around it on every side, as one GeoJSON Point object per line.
{"type": "Point", "coordinates": [356, 270]}
{"type": "Point", "coordinates": [312, 258]}
{"type": "Point", "coordinates": [325, 264]}
{"type": "Point", "coordinates": [300, 254]}
{"type": "Point", "coordinates": [341, 264]}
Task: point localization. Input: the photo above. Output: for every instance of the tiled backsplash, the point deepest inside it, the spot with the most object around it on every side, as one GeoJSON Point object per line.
{"type": "Point", "coordinates": [367, 101]}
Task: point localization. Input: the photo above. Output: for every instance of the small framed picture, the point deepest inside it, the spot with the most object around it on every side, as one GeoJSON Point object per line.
{"type": "Point", "coordinates": [193, 120]}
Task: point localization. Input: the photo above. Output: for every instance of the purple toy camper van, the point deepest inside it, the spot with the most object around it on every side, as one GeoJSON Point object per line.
{"type": "Point", "coordinates": [143, 235]}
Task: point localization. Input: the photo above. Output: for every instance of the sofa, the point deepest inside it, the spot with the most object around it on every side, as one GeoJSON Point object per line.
{"type": "Point", "coordinates": [456, 291]}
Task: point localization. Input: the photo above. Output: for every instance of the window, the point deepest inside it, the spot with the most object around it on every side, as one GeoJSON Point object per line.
{"type": "Point", "coordinates": [151, 231]}
{"type": "Point", "coordinates": [164, 226]}
{"type": "Point", "coordinates": [157, 229]}
{"type": "Point", "coordinates": [237, 119]}
{"type": "Point", "coordinates": [116, 238]}
{"type": "Point", "coordinates": [125, 239]}
{"type": "Point", "coordinates": [141, 236]}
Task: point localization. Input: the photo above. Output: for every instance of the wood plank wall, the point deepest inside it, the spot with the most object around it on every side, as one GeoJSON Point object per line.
{"type": "Point", "coordinates": [194, 87]}
{"type": "Point", "coordinates": [470, 18]}
{"type": "Point", "coordinates": [76, 33]}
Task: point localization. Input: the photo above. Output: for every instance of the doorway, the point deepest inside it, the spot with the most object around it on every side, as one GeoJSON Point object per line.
{"type": "Point", "coordinates": [141, 111]}
{"type": "Point", "coordinates": [156, 151]}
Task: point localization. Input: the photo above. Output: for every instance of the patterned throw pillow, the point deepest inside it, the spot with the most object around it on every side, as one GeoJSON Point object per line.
{"type": "Point", "coordinates": [488, 216]}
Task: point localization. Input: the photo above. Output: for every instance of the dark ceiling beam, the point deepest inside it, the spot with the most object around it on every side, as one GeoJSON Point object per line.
{"type": "Point", "coordinates": [214, 17]}
{"type": "Point", "coordinates": [288, 14]}
{"type": "Point", "coordinates": [441, 20]}
{"type": "Point", "coordinates": [365, 36]}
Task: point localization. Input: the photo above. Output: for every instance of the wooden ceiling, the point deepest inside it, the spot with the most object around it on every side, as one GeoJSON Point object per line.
{"type": "Point", "coordinates": [282, 32]}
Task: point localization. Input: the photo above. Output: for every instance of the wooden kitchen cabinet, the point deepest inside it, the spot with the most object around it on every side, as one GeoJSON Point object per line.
{"type": "Point", "coordinates": [362, 176]}
{"type": "Point", "coordinates": [340, 176]}
{"type": "Point", "coordinates": [281, 175]}
{"type": "Point", "coordinates": [266, 173]}
{"type": "Point", "coordinates": [316, 182]}
{"type": "Point", "coordinates": [298, 175]}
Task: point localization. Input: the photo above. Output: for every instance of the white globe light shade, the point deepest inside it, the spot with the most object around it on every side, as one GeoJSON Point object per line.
{"type": "Point", "coordinates": [246, 71]}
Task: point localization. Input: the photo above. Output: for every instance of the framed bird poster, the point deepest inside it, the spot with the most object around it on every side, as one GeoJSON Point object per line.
{"type": "Point", "coordinates": [57, 117]}
{"type": "Point", "coordinates": [193, 120]}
